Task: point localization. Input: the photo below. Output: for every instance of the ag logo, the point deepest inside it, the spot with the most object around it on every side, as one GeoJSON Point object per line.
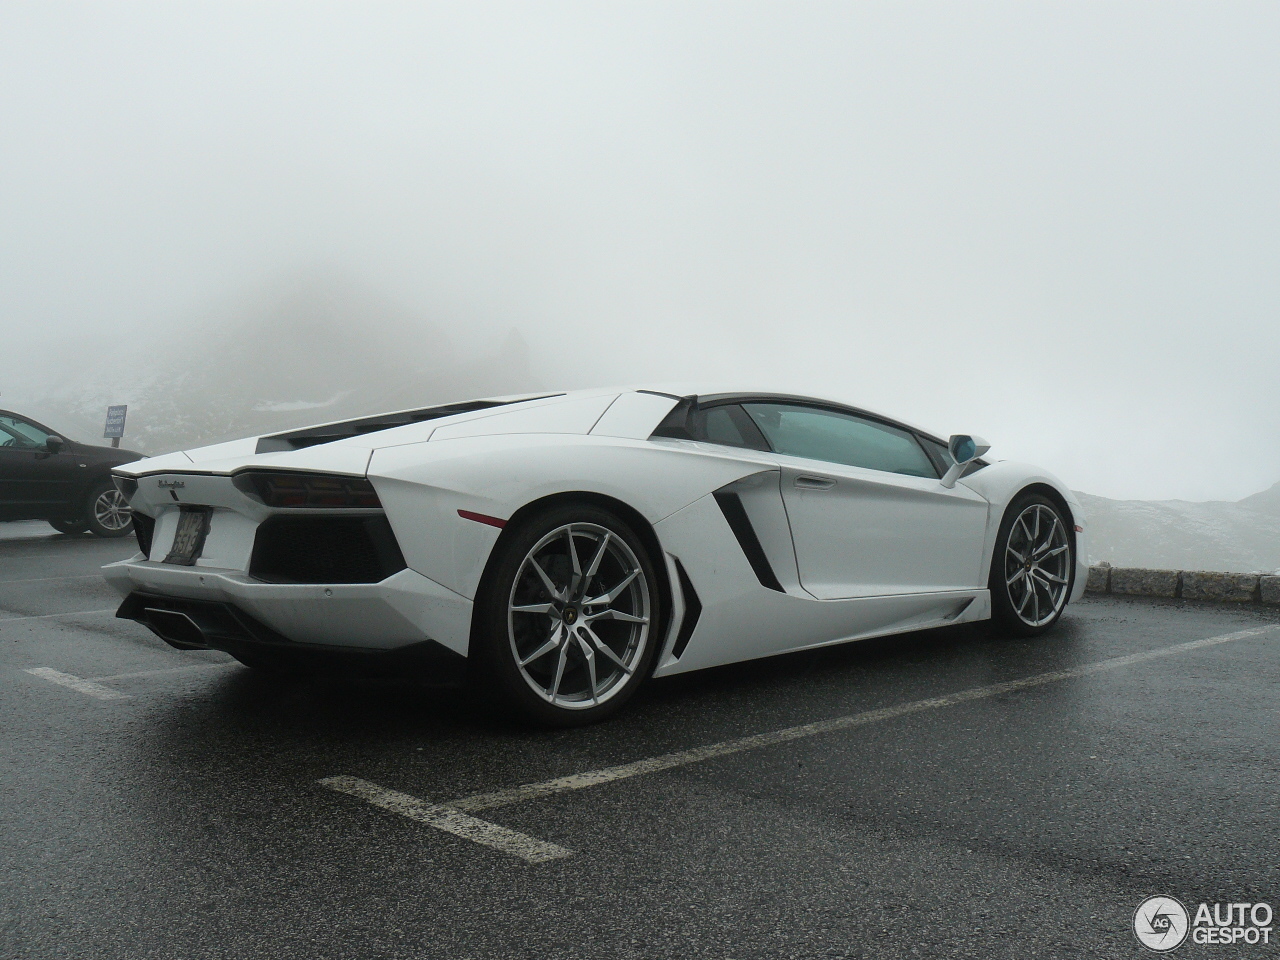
{"type": "Point", "coordinates": [1161, 923]}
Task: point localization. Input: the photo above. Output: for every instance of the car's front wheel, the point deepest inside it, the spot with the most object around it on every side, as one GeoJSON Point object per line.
{"type": "Point", "coordinates": [1032, 567]}
{"type": "Point", "coordinates": [109, 514]}
{"type": "Point", "coordinates": [568, 620]}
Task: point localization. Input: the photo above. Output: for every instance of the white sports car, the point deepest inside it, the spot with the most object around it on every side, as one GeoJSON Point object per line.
{"type": "Point", "coordinates": [566, 547]}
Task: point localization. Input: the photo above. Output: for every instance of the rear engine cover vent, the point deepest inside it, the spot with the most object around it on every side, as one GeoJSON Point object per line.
{"type": "Point", "coordinates": [316, 549]}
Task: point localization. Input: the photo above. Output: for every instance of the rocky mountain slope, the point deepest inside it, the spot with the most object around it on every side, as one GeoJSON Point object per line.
{"type": "Point", "coordinates": [304, 356]}
{"type": "Point", "coordinates": [1241, 537]}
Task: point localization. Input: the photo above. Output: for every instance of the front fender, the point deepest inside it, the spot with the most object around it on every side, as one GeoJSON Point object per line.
{"type": "Point", "coordinates": [1001, 482]}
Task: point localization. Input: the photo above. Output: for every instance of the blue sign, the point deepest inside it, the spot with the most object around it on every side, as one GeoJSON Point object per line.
{"type": "Point", "coordinates": [115, 421]}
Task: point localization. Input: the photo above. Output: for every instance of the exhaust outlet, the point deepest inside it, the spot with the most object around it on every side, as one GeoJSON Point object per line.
{"type": "Point", "coordinates": [174, 628]}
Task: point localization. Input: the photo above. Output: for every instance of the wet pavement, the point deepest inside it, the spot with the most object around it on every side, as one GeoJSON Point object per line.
{"type": "Point", "coordinates": [980, 796]}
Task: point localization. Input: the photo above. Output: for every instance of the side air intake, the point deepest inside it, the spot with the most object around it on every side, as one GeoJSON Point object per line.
{"type": "Point", "coordinates": [736, 515]}
{"type": "Point", "coordinates": [692, 610]}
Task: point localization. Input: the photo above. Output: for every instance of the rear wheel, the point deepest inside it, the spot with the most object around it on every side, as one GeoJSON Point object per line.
{"type": "Point", "coordinates": [109, 512]}
{"type": "Point", "coordinates": [69, 526]}
{"type": "Point", "coordinates": [1033, 566]}
{"type": "Point", "coordinates": [568, 619]}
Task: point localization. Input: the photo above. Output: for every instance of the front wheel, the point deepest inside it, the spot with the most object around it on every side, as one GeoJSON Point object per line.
{"type": "Point", "coordinates": [568, 619]}
{"type": "Point", "coordinates": [109, 512]}
{"type": "Point", "coordinates": [1033, 566]}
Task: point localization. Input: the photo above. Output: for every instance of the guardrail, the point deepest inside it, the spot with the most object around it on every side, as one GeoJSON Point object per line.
{"type": "Point", "coordinates": [1185, 584]}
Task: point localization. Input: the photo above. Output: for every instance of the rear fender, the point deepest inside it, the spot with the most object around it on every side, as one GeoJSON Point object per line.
{"type": "Point", "coordinates": [423, 486]}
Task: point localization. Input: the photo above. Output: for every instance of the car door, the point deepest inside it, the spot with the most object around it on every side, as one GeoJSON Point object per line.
{"type": "Point", "coordinates": [868, 513]}
{"type": "Point", "coordinates": [33, 481]}
{"type": "Point", "coordinates": [14, 492]}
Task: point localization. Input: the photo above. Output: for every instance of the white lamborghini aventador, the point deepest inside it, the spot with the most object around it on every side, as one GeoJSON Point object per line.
{"type": "Point", "coordinates": [564, 548]}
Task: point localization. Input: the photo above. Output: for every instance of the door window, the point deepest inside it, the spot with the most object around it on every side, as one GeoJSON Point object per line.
{"type": "Point", "coordinates": [938, 453]}
{"type": "Point", "coordinates": [818, 434]}
{"type": "Point", "coordinates": [16, 432]}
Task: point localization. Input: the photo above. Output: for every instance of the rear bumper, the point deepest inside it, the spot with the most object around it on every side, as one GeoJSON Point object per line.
{"type": "Point", "coordinates": [400, 611]}
{"type": "Point", "coordinates": [199, 624]}
{"type": "Point", "coordinates": [214, 625]}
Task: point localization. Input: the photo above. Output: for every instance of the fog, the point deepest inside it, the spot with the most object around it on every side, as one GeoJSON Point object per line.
{"type": "Point", "coordinates": [1055, 225]}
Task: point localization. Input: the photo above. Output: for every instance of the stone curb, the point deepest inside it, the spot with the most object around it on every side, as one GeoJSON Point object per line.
{"type": "Point", "coordinates": [1185, 584]}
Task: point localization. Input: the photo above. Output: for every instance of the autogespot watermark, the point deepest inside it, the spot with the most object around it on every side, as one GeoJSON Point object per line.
{"type": "Point", "coordinates": [1163, 923]}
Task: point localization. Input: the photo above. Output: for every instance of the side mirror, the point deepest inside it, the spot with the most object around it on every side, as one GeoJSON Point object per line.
{"type": "Point", "coordinates": [54, 444]}
{"type": "Point", "coordinates": [964, 449]}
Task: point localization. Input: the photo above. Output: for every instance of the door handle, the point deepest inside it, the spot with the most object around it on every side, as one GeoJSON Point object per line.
{"type": "Point", "coordinates": [815, 483]}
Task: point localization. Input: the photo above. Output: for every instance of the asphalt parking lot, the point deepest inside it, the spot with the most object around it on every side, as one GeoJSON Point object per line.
{"type": "Point", "coordinates": [941, 794]}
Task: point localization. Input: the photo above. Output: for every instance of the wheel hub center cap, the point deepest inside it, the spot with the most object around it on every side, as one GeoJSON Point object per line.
{"type": "Point", "coordinates": [570, 614]}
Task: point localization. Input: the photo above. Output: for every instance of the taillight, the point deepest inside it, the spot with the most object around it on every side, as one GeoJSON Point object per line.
{"type": "Point", "coordinates": [306, 490]}
{"type": "Point", "coordinates": [126, 485]}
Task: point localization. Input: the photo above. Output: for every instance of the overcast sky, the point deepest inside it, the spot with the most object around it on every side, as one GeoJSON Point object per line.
{"type": "Point", "coordinates": [1056, 225]}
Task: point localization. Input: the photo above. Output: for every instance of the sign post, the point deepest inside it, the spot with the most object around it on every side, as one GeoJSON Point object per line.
{"type": "Point", "coordinates": [115, 423]}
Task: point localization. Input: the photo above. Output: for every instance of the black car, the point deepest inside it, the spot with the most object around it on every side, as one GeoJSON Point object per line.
{"type": "Point", "coordinates": [44, 476]}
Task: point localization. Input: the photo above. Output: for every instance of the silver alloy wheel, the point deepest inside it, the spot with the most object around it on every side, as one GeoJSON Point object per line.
{"type": "Point", "coordinates": [1037, 565]}
{"type": "Point", "coordinates": [112, 510]}
{"type": "Point", "coordinates": [578, 615]}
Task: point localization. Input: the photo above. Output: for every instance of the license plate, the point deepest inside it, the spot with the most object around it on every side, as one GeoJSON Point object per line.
{"type": "Point", "coordinates": [188, 542]}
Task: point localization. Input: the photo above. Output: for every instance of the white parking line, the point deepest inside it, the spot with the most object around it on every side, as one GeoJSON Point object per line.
{"type": "Point", "coordinates": [87, 576]}
{"type": "Point", "coordinates": [52, 616]}
{"type": "Point", "coordinates": [450, 820]}
{"type": "Point", "coordinates": [681, 758]}
{"type": "Point", "coordinates": [93, 687]}
{"type": "Point", "coordinates": [453, 817]}
{"type": "Point", "coordinates": [163, 670]}
{"type": "Point", "coordinates": [77, 683]}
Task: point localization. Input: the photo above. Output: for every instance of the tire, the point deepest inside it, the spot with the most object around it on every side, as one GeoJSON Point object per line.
{"type": "Point", "coordinates": [1033, 566]}
{"type": "Point", "coordinates": [541, 648]}
{"type": "Point", "coordinates": [69, 526]}
{"type": "Point", "coordinates": [108, 513]}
